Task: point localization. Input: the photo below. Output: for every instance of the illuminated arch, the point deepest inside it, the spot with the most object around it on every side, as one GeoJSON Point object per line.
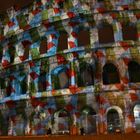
{"type": "Point", "coordinates": [136, 111]}
{"type": "Point", "coordinates": [61, 121]}
{"type": "Point", "coordinates": [114, 119]}
{"type": "Point", "coordinates": [85, 75]}
{"type": "Point", "coordinates": [60, 78]}
{"type": "Point", "coordinates": [89, 120]}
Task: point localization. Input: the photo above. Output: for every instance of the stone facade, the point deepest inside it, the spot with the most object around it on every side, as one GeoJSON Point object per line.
{"type": "Point", "coordinates": [70, 63]}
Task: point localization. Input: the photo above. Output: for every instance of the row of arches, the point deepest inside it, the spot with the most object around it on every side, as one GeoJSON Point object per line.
{"type": "Point", "coordinates": [115, 120]}
{"type": "Point", "coordinates": [61, 78]}
{"type": "Point", "coordinates": [111, 73]}
{"type": "Point", "coordinates": [82, 37]}
{"type": "Point", "coordinates": [86, 75]}
{"type": "Point", "coordinates": [62, 120]}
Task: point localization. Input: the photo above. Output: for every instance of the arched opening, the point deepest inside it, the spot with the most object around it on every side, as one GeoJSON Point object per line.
{"type": "Point", "coordinates": [61, 122]}
{"type": "Point", "coordinates": [129, 31]}
{"type": "Point", "coordinates": [113, 121]}
{"type": "Point", "coordinates": [110, 74]}
{"type": "Point", "coordinates": [42, 82]}
{"type": "Point", "coordinates": [39, 122]}
{"type": "Point", "coordinates": [137, 116]}
{"type": "Point", "coordinates": [23, 80]}
{"type": "Point", "coordinates": [89, 120]}
{"type": "Point", "coordinates": [34, 34]}
{"type": "Point", "coordinates": [134, 71]}
{"type": "Point", "coordinates": [1, 53]}
{"type": "Point", "coordinates": [2, 87]}
{"type": "Point", "coordinates": [26, 44]}
{"type": "Point", "coordinates": [22, 21]}
{"type": "Point", "coordinates": [20, 119]}
{"type": "Point", "coordinates": [60, 78]}
{"type": "Point", "coordinates": [85, 75]}
{"type": "Point", "coordinates": [42, 79]}
{"type": "Point", "coordinates": [19, 125]}
{"type": "Point", "coordinates": [12, 51]}
{"type": "Point", "coordinates": [43, 45]}
{"type": "Point", "coordinates": [62, 41]}
{"type": "Point", "coordinates": [105, 33]}
{"type": "Point", "coordinates": [3, 125]}
{"type": "Point", "coordinates": [8, 87]}
{"type": "Point", "coordinates": [83, 38]}
{"type": "Point", "coordinates": [40, 118]}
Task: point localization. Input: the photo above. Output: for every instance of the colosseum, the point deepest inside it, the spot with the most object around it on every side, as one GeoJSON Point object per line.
{"type": "Point", "coordinates": [70, 65]}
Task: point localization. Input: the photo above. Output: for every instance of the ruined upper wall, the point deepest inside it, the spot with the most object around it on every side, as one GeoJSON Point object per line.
{"type": "Point", "coordinates": [17, 20]}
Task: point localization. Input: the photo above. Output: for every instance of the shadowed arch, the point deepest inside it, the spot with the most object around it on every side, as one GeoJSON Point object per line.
{"type": "Point", "coordinates": [103, 29]}
{"type": "Point", "coordinates": [134, 71]}
{"type": "Point", "coordinates": [110, 74]}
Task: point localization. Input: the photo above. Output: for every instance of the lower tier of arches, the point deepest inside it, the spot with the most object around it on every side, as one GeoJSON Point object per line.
{"type": "Point", "coordinates": [78, 114]}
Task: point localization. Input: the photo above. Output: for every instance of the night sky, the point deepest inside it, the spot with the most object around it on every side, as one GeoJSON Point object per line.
{"type": "Point", "coordinates": [5, 4]}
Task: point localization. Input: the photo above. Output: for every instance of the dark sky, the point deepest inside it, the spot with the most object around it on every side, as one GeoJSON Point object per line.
{"type": "Point", "coordinates": [5, 4]}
